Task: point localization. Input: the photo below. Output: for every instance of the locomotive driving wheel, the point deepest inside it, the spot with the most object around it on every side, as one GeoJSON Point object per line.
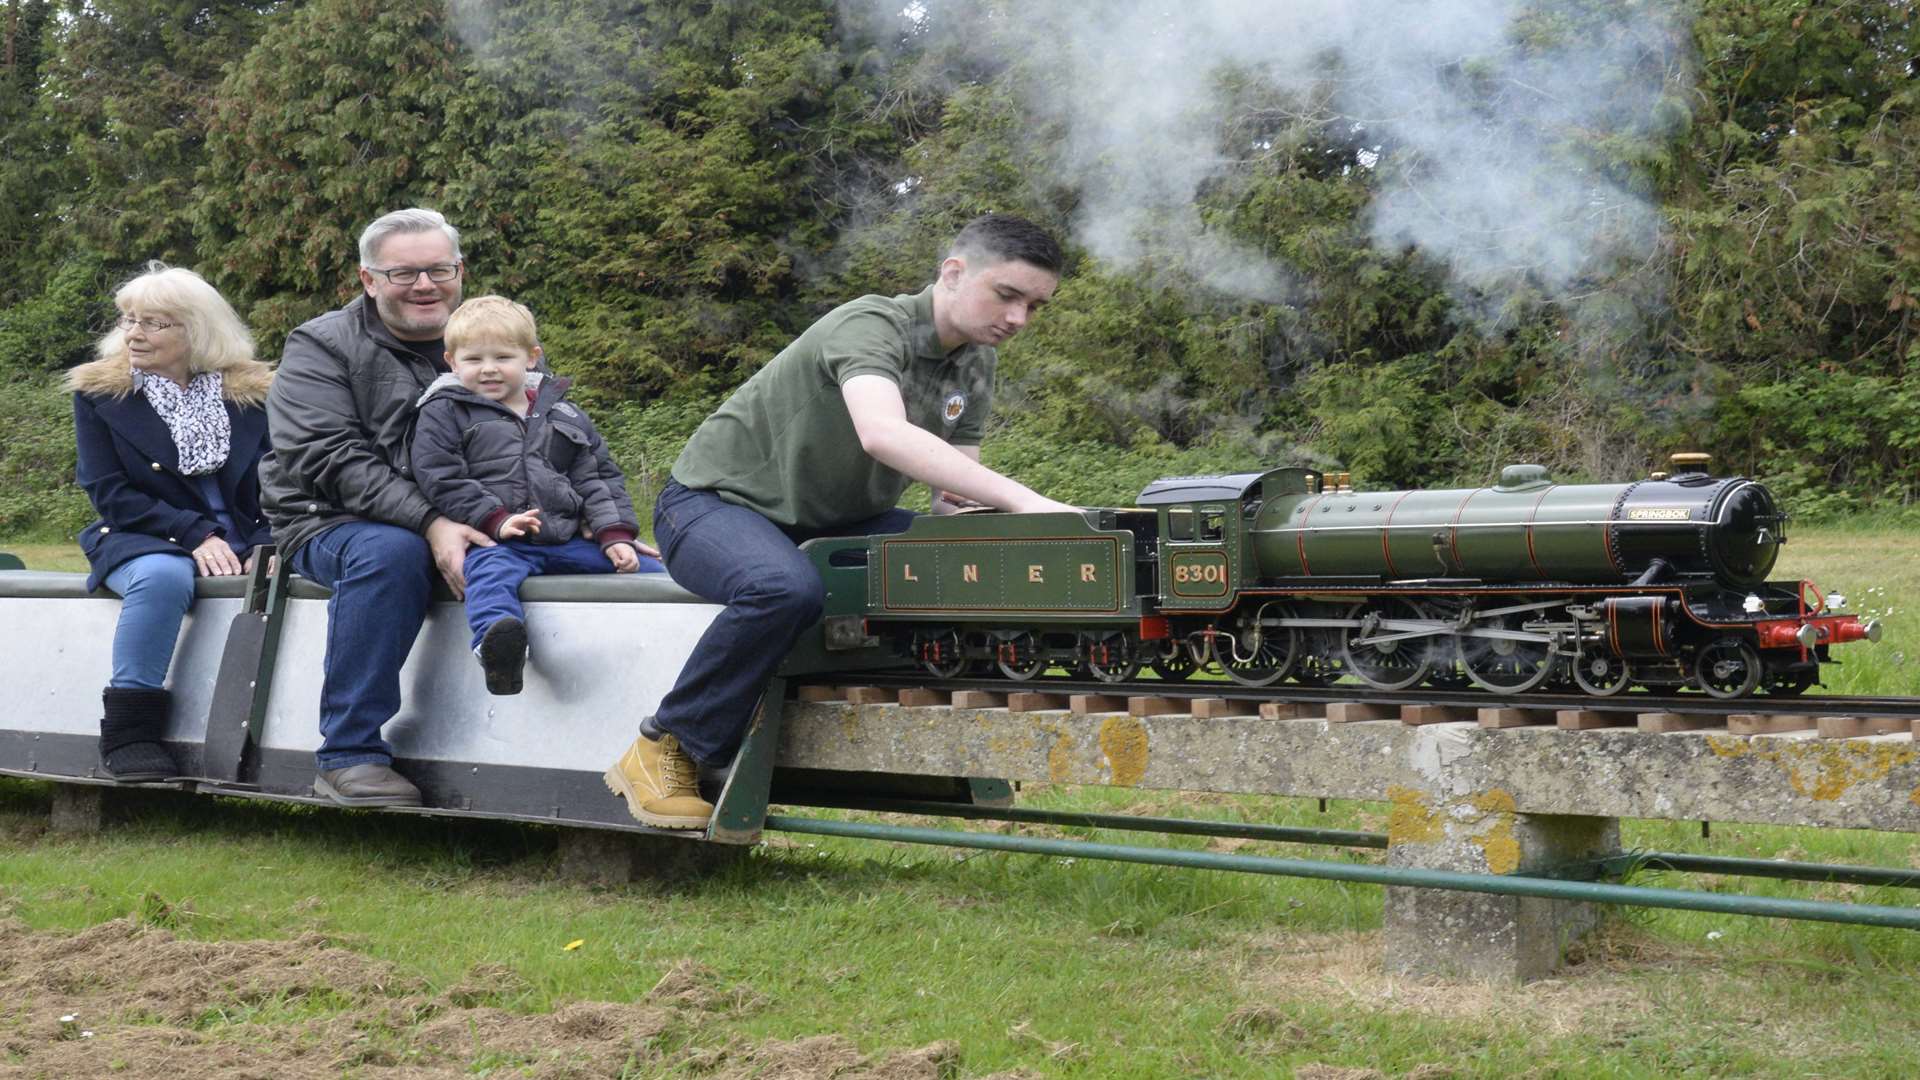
{"type": "Point", "coordinates": [1507, 663]}
{"type": "Point", "coordinates": [1253, 654]}
{"type": "Point", "coordinates": [1174, 662]}
{"type": "Point", "coordinates": [1018, 657]}
{"type": "Point", "coordinates": [1728, 668]}
{"type": "Point", "coordinates": [1378, 653]}
{"type": "Point", "coordinates": [1601, 675]}
{"type": "Point", "coordinates": [1109, 657]}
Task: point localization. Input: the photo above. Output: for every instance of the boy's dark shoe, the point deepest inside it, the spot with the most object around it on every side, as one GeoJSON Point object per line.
{"type": "Point", "coordinates": [371, 784]}
{"type": "Point", "coordinates": [503, 655]}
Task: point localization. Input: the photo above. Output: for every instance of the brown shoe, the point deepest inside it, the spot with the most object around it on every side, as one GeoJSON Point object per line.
{"type": "Point", "coordinates": [366, 785]}
{"type": "Point", "coordinates": [657, 779]}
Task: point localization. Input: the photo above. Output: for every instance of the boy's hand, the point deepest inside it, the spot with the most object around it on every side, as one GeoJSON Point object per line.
{"type": "Point", "coordinates": [524, 523]}
{"type": "Point", "coordinates": [623, 557]}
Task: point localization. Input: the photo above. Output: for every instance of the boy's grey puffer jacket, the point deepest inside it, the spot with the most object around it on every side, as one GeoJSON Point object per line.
{"type": "Point", "coordinates": [477, 463]}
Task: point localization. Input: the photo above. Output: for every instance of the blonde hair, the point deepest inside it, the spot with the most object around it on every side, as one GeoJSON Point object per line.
{"type": "Point", "coordinates": [216, 338]}
{"type": "Point", "coordinates": [493, 319]}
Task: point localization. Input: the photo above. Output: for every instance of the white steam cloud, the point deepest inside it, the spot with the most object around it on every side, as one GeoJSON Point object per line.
{"type": "Point", "coordinates": [1477, 143]}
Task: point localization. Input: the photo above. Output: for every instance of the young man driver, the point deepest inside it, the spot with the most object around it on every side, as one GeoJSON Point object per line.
{"type": "Point", "coordinates": [822, 441]}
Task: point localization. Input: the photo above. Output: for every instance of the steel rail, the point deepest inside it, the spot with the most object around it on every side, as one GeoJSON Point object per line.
{"type": "Point", "coordinates": [1499, 885]}
{"type": "Point", "coordinates": [1628, 702]}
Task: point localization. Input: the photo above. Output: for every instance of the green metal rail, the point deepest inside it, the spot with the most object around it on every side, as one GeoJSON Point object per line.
{"type": "Point", "coordinates": [1615, 866]}
{"type": "Point", "coordinates": [1497, 884]}
{"type": "Point", "coordinates": [1120, 822]}
{"type": "Point", "coordinates": [1766, 868]}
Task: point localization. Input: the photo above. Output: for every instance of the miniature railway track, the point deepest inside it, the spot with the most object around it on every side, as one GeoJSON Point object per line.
{"type": "Point", "coordinates": [1630, 703]}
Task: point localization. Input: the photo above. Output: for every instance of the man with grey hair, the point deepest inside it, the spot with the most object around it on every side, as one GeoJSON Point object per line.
{"type": "Point", "coordinates": [337, 489]}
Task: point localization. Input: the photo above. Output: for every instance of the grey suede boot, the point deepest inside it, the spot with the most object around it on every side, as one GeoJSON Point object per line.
{"type": "Point", "coordinates": [130, 734]}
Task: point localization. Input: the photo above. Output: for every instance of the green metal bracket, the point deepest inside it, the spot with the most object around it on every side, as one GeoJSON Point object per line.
{"type": "Point", "coordinates": [245, 682]}
{"type": "Point", "coordinates": [742, 808]}
{"type": "Point", "coordinates": [990, 792]}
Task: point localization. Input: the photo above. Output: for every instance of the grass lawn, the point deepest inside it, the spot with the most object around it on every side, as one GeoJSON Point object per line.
{"type": "Point", "coordinates": [221, 937]}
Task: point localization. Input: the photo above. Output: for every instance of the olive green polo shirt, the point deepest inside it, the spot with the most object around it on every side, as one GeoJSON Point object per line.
{"type": "Point", "coordinates": [784, 444]}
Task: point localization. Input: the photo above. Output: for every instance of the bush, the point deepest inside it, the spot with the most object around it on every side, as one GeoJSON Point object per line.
{"type": "Point", "coordinates": [38, 497]}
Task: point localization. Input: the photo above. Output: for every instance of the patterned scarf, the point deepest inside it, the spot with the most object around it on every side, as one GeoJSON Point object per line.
{"type": "Point", "coordinates": [196, 416]}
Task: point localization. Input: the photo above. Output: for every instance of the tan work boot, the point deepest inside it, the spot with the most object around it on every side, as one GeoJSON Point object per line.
{"type": "Point", "coordinates": [658, 780]}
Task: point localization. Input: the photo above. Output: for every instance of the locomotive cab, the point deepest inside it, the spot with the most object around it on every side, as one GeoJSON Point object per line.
{"type": "Point", "coordinates": [1206, 531]}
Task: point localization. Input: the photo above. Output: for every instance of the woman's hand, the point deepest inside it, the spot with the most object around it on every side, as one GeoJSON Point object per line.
{"type": "Point", "coordinates": [215, 558]}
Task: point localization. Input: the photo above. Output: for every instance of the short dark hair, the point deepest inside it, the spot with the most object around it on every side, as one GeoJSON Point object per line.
{"type": "Point", "coordinates": [1001, 237]}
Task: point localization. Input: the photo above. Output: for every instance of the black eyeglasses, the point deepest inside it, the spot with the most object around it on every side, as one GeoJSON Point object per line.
{"type": "Point", "coordinates": [407, 275]}
{"type": "Point", "coordinates": [151, 326]}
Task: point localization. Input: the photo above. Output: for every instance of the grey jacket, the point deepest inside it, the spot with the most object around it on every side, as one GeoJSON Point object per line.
{"type": "Point", "coordinates": [478, 462]}
{"type": "Point", "coordinates": [339, 416]}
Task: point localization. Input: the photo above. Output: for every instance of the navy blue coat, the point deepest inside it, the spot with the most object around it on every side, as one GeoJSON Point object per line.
{"type": "Point", "coordinates": [130, 469]}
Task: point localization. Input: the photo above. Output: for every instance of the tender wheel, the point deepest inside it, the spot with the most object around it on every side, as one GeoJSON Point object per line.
{"type": "Point", "coordinates": [1019, 657]}
{"type": "Point", "coordinates": [1728, 668]}
{"type": "Point", "coordinates": [1391, 664]}
{"type": "Point", "coordinates": [1601, 675]}
{"type": "Point", "coordinates": [941, 655]}
{"type": "Point", "coordinates": [1174, 662]}
{"type": "Point", "coordinates": [1791, 683]}
{"type": "Point", "coordinates": [1111, 658]}
{"type": "Point", "coordinates": [1505, 665]}
{"type": "Point", "coordinates": [1256, 655]}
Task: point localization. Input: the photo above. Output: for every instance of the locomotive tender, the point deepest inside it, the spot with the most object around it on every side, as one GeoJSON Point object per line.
{"type": "Point", "coordinates": [1291, 574]}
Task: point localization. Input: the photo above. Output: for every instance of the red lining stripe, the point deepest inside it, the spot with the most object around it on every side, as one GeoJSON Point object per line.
{"type": "Point", "coordinates": [1300, 538]}
{"type": "Point", "coordinates": [1453, 540]}
{"type": "Point", "coordinates": [1386, 531]}
{"type": "Point", "coordinates": [1533, 514]}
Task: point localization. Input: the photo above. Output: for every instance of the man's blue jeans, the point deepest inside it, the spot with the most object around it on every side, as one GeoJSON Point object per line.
{"type": "Point", "coordinates": [733, 556]}
{"type": "Point", "coordinates": [155, 592]}
{"type": "Point", "coordinates": [494, 575]}
{"type": "Point", "coordinates": [380, 576]}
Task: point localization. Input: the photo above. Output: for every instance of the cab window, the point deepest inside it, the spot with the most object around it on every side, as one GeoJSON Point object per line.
{"type": "Point", "coordinates": [1180, 524]}
{"type": "Point", "coordinates": [1213, 526]}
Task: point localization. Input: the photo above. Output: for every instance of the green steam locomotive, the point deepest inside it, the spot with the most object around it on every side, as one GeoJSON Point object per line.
{"type": "Point", "coordinates": [1292, 574]}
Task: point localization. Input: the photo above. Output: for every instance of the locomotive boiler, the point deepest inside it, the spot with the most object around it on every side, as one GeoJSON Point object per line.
{"type": "Point", "coordinates": [1292, 574]}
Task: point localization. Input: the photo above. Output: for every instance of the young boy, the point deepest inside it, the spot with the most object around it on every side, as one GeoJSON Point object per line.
{"type": "Point", "coordinates": [496, 446]}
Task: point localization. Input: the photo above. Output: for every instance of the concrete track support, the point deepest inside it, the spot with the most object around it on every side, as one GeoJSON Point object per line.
{"type": "Point", "coordinates": [1434, 932]}
{"type": "Point", "coordinates": [79, 808]}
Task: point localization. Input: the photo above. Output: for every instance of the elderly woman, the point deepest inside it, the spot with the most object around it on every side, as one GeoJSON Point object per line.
{"type": "Point", "coordinates": [171, 425]}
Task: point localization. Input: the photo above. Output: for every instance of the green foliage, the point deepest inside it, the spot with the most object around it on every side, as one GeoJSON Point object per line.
{"type": "Point", "coordinates": [347, 109]}
{"type": "Point", "coordinates": [57, 327]}
{"type": "Point", "coordinates": [1832, 441]}
{"type": "Point", "coordinates": [37, 494]}
{"type": "Point", "coordinates": [679, 187]}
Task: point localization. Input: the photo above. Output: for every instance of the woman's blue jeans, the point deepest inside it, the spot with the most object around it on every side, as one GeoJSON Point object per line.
{"type": "Point", "coordinates": [155, 592]}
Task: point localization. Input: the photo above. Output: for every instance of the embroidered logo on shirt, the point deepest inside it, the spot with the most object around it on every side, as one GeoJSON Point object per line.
{"type": "Point", "coordinates": [956, 406]}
